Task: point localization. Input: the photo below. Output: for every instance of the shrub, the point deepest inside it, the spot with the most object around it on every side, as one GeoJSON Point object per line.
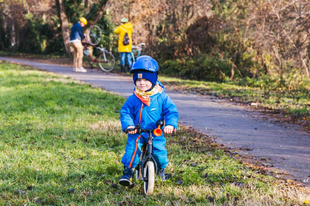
{"type": "Point", "coordinates": [201, 68]}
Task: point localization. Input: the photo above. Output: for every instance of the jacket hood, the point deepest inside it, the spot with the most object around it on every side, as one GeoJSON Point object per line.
{"type": "Point", "coordinates": [127, 26]}
{"type": "Point", "coordinates": [162, 86]}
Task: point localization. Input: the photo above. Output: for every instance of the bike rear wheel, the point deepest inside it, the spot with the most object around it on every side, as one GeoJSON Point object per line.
{"type": "Point", "coordinates": [94, 35]}
{"type": "Point", "coordinates": [106, 61]}
{"type": "Point", "coordinates": [149, 178]}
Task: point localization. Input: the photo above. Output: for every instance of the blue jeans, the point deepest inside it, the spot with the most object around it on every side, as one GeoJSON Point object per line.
{"type": "Point", "coordinates": [125, 55]}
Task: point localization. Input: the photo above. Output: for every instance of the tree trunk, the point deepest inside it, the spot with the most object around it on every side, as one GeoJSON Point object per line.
{"type": "Point", "coordinates": [98, 15]}
{"type": "Point", "coordinates": [64, 26]}
{"type": "Point", "coordinates": [100, 12]}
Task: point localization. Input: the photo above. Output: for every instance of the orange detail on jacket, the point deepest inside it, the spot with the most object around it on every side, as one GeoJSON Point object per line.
{"type": "Point", "coordinates": [134, 154]}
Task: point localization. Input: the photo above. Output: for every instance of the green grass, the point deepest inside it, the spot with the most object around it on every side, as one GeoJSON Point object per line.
{"type": "Point", "coordinates": [293, 102]}
{"type": "Point", "coordinates": [61, 144]}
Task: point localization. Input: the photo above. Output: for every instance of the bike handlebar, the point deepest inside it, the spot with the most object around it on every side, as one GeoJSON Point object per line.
{"type": "Point", "coordinates": [139, 47]}
{"type": "Point", "coordinates": [139, 130]}
{"type": "Point", "coordinates": [157, 131]}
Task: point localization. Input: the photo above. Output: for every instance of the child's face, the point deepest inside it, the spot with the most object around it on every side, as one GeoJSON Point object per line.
{"type": "Point", "coordinates": [143, 84]}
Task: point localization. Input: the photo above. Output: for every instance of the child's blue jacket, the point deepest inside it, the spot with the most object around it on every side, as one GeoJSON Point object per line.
{"type": "Point", "coordinates": [161, 108]}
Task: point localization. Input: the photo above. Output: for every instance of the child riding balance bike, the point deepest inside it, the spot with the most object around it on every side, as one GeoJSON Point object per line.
{"type": "Point", "coordinates": [148, 104]}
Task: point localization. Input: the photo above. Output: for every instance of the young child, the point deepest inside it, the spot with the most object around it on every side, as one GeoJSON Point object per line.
{"type": "Point", "coordinates": [148, 104]}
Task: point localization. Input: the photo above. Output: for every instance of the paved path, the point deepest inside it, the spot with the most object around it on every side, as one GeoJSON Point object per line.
{"type": "Point", "coordinates": [285, 147]}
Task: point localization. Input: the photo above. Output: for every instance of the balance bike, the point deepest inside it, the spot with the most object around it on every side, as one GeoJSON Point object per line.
{"type": "Point", "coordinates": [147, 168]}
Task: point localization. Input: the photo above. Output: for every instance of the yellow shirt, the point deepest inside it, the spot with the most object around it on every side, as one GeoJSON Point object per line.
{"type": "Point", "coordinates": [121, 30]}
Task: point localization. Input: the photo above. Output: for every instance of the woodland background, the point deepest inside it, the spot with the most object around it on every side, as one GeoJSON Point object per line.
{"type": "Point", "coordinates": [213, 40]}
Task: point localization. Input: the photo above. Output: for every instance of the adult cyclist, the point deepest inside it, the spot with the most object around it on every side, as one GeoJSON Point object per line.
{"type": "Point", "coordinates": [76, 38]}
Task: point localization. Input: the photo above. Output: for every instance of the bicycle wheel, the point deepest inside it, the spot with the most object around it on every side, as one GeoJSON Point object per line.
{"type": "Point", "coordinates": [149, 178]}
{"type": "Point", "coordinates": [94, 35]}
{"type": "Point", "coordinates": [106, 61]}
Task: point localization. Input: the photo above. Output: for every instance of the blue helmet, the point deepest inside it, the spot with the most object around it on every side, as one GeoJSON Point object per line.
{"type": "Point", "coordinates": [146, 63]}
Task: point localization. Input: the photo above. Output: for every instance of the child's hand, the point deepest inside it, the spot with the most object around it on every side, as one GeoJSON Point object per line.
{"type": "Point", "coordinates": [131, 130]}
{"type": "Point", "coordinates": [168, 129]}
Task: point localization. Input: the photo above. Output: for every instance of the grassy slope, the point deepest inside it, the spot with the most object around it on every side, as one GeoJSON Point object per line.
{"type": "Point", "coordinates": [292, 105]}
{"type": "Point", "coordinates": [61, 143]}
{"type": "Point", "coordinates": [291, 101]}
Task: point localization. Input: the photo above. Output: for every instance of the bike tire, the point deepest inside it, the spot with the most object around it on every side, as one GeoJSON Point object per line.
{"type": "Point", "coordinates": [149, 178]}
{"type": "Point", "coordinates": [94, 35]}
{"type": "Point", "coordinates": [106, 61]}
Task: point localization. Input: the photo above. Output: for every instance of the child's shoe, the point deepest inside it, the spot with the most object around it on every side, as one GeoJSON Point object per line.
{"type": "Point", "coordinates": [163, 175]}
{"type": "Point", "coordinates": [125, 179]}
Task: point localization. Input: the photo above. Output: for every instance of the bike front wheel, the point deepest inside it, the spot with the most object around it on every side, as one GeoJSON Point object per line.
{"type": "Point", "coordinates": [106, 61]}
{"type": "Point", "coordinates": [149, 178]}
{"type": "Point", "coordinates": [94, 35]}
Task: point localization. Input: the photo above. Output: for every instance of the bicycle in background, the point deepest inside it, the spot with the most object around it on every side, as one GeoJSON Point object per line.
{"type": "Point", "coordinates": [136, 51]}
{"type": "Point", "coordinates": [97, 56]}
{"type": "Point", "coordinates": [93, 35]}
{"type": "Point", "coordinates": [103, 59]}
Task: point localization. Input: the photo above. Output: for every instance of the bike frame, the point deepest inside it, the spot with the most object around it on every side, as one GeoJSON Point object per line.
{"type": "Point", "coordinates": [138, 50]}
{"type": "Point", "coordinates": [133, 56]}
{"type": "Point", "coordinates": [105, 59]}
{"type": "Point", "coordinates": [149, 152]}
{"type": "Point", "coordinates": [149, 149]}
{"type": "Point", "coordinates": [91, 57]}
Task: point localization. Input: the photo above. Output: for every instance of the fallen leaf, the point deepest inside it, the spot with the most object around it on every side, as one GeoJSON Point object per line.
{"type": "Point", "coordinates": [214, 144]}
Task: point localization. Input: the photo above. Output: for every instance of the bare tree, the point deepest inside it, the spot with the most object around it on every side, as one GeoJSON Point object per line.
{"type": "Point", "coordinates": [100, 12]}
{"type": "Point", "coordinates": [281, 28]}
